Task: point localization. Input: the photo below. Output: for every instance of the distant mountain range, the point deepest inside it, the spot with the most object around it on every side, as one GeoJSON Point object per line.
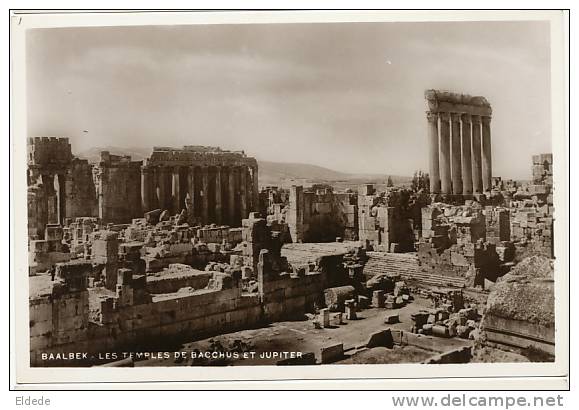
{"type": "Point", "coordinates": [273, 173]}
{"type": "Point", "coordinates": [281, 173]}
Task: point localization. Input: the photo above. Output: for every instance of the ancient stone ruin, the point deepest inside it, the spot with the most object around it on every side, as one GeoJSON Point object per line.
{"type": "Point", "coordinates": [184, 251]}
{"type": "Point", "coordinates": [212, 185]}
{"type": "Point", "coordinates": [459, 140]}
{"type": "Point", "coordinates": [217, 186]}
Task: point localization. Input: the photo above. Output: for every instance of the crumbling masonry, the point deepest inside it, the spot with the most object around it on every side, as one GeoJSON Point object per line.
{"type": "Point", "coordinates": [213, 185]}
{"type": "Point", "coordinates": [129, 255]}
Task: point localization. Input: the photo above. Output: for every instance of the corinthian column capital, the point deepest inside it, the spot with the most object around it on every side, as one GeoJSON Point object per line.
{"type": "Point", "coordinates": [431, 116]}
{"type": "Point", "coordinates": [444, 116]}
{"type": "Point", "coordinates": [454, 116]}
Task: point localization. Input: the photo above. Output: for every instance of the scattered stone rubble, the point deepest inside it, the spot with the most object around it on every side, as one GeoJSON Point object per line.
{"type": "Point", "coordinates": [168, 264]}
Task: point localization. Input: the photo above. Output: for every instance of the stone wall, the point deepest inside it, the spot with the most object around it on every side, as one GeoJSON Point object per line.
{"type": "Point", "coordinates": [532, 228]}
{"type": "Point", "coordinates": [49, 159]}
{"type": "Point", "coordinates": [543, 170]}
{"type": "Point", "coordinates": [389, 221]}
{"type": "Point", "coordinates": [118, 181]}
{"type": "Point", "coordinates": [498, 228]}
{"type": "Point", "coordinates": [81, 193]}
{"type": "Point", "coordinates": [176, 277]}
{"type": "Point", "coordinates": [287, 295]}
{"type": "Point", "coordinates": [125, 314]}
{"type": "Point", "coordinates": [59, 311]}
{"type": "Point", "coordinates": [49, 152]}
{"type": "Point", "coordinates": [321, 215]}
{"type": "Point", "coordinates": [454, 242]}
{"type": "Point", "coordinates": [37, 210]}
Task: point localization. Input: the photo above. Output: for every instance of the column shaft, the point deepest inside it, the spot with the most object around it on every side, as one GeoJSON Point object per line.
{"type": "Point", "coordinates": [456, 155]}
{"type": "Point", "coordinates": [433, 164]}
{"type": "Point", "coordinates": [191, 189]}
{"type": "Point", "coordinates": [205, 184]}
{"type": "Point", "coordinates": [153, 187]}
{"type": "Point", "coordinates": [175, 203]}
{"type": "Point", "coordinates": [243, 191]}
{"type": "Point", "coordinates": [466, 156]}
{"type": "Point", "coordinates": [231, 203]}
{"type": "Point", "coordinates": [146, 189]}
{"type": "Point", "coordinates": [162, 190]}
{"type": "Point", "coordinates": [476, 155]}
{"type": "Point", "coordinates": [445, 153]}
{"type": "Point", "coordinates": [218, 203]}
{"type": "Point", "coordinates": [51, 198]}
{"type": "Point", "coordinates": [487, 168]}
{"type": "Point", "coordinates": [255, 188]}
{"type": "Point", "coordinates": [61, 195]}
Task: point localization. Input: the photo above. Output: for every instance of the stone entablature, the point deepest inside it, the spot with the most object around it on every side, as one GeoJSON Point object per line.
{"type": "Point", "coordinates": [199, 157]}
{"type": "Point", "coordinates": [445, 102]}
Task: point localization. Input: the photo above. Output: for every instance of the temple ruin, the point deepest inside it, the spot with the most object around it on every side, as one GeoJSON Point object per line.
{"type": "Point", "coordinates": [459, 140]}
{"type": "Point", "coordinates": [213, 185]}
{"type": "Point", "coordinates": [185, 251]}
{"type": "Point", "coordinates": [220, 186]}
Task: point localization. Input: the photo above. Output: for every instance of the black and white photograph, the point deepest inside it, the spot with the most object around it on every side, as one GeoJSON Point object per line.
{"type": "Point", "coordinates": [300, 195]}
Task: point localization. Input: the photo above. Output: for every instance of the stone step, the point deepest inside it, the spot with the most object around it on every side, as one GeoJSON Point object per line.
{"type": "Point", "coordinates": [408, 267]}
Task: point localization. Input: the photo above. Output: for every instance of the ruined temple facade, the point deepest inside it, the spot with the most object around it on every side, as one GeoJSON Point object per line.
{"type": "Point", "coordinates": [217, 186]}
{"type": "Point", "coordinates": [459, 139]}
{"type": "Point", "coordinates": [214, 185]}
{"type": "Point", "coordinates": [59, 185]}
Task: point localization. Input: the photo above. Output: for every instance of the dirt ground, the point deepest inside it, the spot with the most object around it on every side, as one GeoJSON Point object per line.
{"type": "Point", "coordinates": [280, 340]}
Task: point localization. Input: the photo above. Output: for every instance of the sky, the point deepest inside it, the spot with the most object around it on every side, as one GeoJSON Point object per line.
{"type": "Point", "coordinates": [347, 96]}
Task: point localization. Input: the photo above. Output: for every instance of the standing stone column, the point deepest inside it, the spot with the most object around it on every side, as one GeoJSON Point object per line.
{"type": "Point", "coordinates": [191, 188]}
{"type": "Point", "coordinates": [445, 153]}
{"type": "Point", "coordinates": [466, 157]}
{"type": "Point", "coordinates": [218, 203]}
{"type": "Point", "coordinates": [255, 188]}
{"type": "Point", "coordinates": [232, 197]}
{"type": "Point", "coordinates": [146, 188]}
{"type": "Point", "coordinates": [61, 197]}
{"type": "Point", "coordinates": [153, 187]}
{"type": "Point", "coordinates": [433, 163]}
{"type": "Point", "coordinates": [476, 155]}
{"type": "Point", "coordinates": [175, 203]}
{"type": "Point", "coordinates": [456, 155]}
{"type": "Point", "coordinates": [487, 168]}
{"type": "Point", "coordinates": [205, 187]}
{"type": "Point", "coordinates": [243, 191]}
{"type": "Point", "coordinates": [51, 198]}
{"type": "Point", "coordinates": [162, 188]}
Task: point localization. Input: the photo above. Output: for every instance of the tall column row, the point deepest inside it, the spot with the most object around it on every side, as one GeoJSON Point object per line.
{"type": "Point", "coordinates": [459, 153]}
{"type": "Point", "coordinates": [221, 195]}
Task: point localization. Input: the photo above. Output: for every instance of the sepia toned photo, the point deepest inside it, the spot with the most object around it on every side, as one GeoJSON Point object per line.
{"type": "Point", "coordinates": [291, 194]}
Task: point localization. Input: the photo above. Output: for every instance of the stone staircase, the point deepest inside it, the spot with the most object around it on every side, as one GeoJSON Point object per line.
{"type": "Point", "coordinates": [408, 267]}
